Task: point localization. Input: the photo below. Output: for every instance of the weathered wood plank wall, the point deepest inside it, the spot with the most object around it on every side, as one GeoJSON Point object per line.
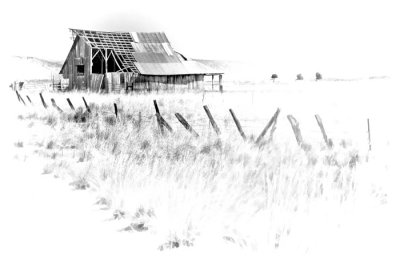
{"type": "Point", "coordinates": [80, 54]}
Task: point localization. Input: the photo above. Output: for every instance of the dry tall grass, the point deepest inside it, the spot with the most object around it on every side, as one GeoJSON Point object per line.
{"type": "Point", "coordinates": [188, 190]}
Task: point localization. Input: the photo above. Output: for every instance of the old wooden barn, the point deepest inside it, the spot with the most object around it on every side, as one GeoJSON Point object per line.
{"type": "Point", "coordinates": [125, 61]}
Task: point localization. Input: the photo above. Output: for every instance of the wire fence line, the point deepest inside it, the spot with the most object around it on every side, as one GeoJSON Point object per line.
{"type": "Point", "coordinates": [205, 124]}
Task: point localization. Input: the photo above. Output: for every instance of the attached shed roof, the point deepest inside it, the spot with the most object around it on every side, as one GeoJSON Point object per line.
{"type": "Point", "coordinates": [144, 53]}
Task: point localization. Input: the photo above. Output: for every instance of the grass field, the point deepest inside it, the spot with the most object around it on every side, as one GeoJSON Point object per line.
{"type": "Point", "coordinates": [213, 189]}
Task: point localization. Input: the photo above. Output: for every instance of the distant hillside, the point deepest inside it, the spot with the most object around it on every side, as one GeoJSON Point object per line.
{"type": "Point", "coordinates": [31, 68]}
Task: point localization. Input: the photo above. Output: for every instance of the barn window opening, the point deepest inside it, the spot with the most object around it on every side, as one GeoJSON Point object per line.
{"type": "Point", "coordinates": [80, 70]}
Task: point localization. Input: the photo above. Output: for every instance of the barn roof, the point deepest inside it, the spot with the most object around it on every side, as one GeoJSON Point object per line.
{"type": "Point", "coordinates": [144, 53]}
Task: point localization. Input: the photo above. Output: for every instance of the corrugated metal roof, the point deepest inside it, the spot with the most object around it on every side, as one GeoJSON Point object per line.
{"type": "Point", "coordinates": [147, 57]}
{"type": "Point", "coordinates": [149, 53]}
{"type": "Point", "coordinates": [177, 68]}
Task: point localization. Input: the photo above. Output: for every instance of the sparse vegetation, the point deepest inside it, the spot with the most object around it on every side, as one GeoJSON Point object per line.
{"type": "Point", "coordinates": [299, 77]}
{"type": "Point", "coordinates": [186, 188]}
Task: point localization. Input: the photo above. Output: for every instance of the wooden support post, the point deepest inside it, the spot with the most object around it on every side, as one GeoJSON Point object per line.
{"type": "Point", "coordinates": [328, 141]}
{"type": "Point", "coordinates": [43, 102]}
{"type": "Point", "coordinates": [269, 124]}
{"type": "Point", "coordinates": [238, 126]}
{"type": "Point", "coordinates": [212, 82]}
{"type": "Point", "coordinates": [53, 102]}
{"type": "Point", "coordinates": [70, 104]}
{"type": "Point", "coordinates": [106, 70]}
{"type": "Point", "coordinates": [220, 83]}
{"type": "Point", "coordinates": [296, 130]}
{"type": "Point", "coordinates": [86, 105]}
{"type": "Point", "coordinates": [115, 110]}
{"type": "Point", "coordinates": [29, 99]}
{"type": "Point", "coordinates": [369, 136]}
{"type": "Point", "coordinates": [213, 123]}
{"type": "Point", "coordinates": [186, 124]}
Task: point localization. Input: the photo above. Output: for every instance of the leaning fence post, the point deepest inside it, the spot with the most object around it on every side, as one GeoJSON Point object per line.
{"type": "Point", "coordinates": [53, 102]}
{"type": "Point", "coordinates": [369, 135]}
{"type": "Point", "coordinates": [296, 130]}
{"type": "Point", "coordinates": [213, 123]}
{"type": "Point", "coordinates": [161, 121]}
{"type": "Point", "coordinates": [43, 102]}
{"type": "Point", "coordinates": [115, 110]}
{"type": "Point", "coordinates": [269, 124]}
{"type": "Point", "coordinates": [16, 92]}
{"type": "Point", "coordinates": [20, 98]}
{"type": "Point", "coordinates": [238, 126]}
{"type": "Point", "coordinates": [139, 120]}
{"type": "Point", "coordinates": [158, 115]}
{"type": "Point", "coordinates": [70, 104]}
{"type": "Point", "coordinates": [328, 142]}
{"type": "Point", "coordinates": [165, 123]}
{"type": "Point", "coordinates": [29, 99]}
{"type": "Point", "coordinates": [86, 105]}
{"type": "Point", "coordinates": [186, 124]}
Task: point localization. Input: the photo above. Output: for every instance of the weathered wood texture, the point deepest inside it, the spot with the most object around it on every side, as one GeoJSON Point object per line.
{"type": "Point", "coordinates": [328, 141]}
{"type": "Point", "coordinates": [96, 82]}
{"type": "Point", "coordinates": [213, 123]}
{"type": "Point", "coordinates": [237, 123]}
{"type": "Point", "coordinates": [70, 104]}
{"type": "Point", "coordinates": [79, 55]}
{"type": "Point", "coordinates": [43, 102]}
{"type": "Point", "coordinates": [186, 124]}
{"type": "Point", "coordinates": [269, 124]}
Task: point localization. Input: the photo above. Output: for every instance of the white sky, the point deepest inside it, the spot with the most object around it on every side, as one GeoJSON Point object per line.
{"type": "Point", "coordinates": [339, 35]}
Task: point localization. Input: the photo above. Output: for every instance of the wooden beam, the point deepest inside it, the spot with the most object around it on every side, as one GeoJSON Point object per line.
{"type": "Point", "coordinates": [95, 54]}
{"type": "Point", "coordinates": [116, 62]}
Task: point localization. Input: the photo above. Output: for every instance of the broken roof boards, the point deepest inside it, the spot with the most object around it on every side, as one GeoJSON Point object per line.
{"type": "Point", "coordinates": [142, 52]}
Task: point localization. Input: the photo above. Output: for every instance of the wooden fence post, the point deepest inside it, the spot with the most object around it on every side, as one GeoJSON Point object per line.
{"type": "Point", "coordinates": [328, 141]}
{"type": "Point", "coordinates": [238, 126]}
{"type": "Point", "coordinates": [70, 104]}
{"type": "Point", "coordinates": [140, 120]}
{"type": "Point", "coordinates": [369, 136]}
{"type": "Point", "coordinates": [158, 116]}
{"type": "Point", "coordinates": [213, 123]}
{"type": "Point", "coordinates": [16, 92]}
{"type": "Point", "coordinates": [115, 110]}
{"type": "Point", "coordinates": [269, 124]}
{"type": "Point", "coordinates": [86, 105]}
{"type": "Point", "coordinates": [160, 120]}
{"type": "Point", "coordinates": [186, 124]}
{"type": "Point", "coordinates": [296, 130]}
{"type": "Point", "coordinates": [43, 102]}
{"type": "Point", "coordinates": [20, 98]}
{"type": "Point", "coordinates": [165, 123]}
{"type": "Point", "coordinates": [53, 102]}
{"type": "Point", "coordinates": [29, 99]}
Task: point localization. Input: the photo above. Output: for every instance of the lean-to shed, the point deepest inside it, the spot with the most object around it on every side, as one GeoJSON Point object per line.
{"type": "Point", "coordinates": [116, 61]}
